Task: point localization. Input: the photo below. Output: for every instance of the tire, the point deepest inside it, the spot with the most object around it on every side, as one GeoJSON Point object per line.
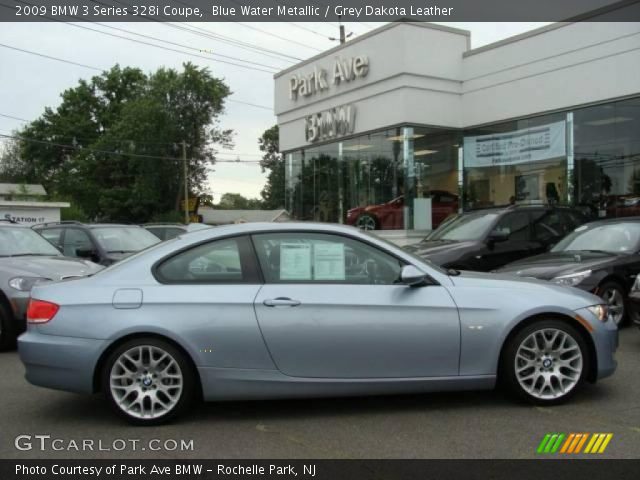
{"type": "Point", "coordinates": [367, 221]}
{"type": "Point", "coordinates": [144, 393]}
{"type": "Point", "coordinates": [530, 367]}
{"type": "Point", "coordinates": [613, 293]}
{"type": "Point", "coordinates": [7, 332]}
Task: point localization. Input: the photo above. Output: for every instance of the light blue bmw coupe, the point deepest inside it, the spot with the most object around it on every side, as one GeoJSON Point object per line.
{"type": "Point", "coordinates": [260, 311]}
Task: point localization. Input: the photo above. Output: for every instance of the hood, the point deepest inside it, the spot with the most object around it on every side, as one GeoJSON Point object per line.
{"type": "Point", "coordinates": [428, 248]}
{"type": "Point", "coordinates": [573, 298]}
{"type": "Point", "coordinates": [552, 264]}
{"type": "Point", "coordinates": [53, 267]}
{"type": "Point", "coordinates": [117, 256]}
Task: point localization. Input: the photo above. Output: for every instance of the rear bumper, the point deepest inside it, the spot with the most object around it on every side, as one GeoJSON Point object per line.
{"type": "Point", "coordinates": [62, 363]}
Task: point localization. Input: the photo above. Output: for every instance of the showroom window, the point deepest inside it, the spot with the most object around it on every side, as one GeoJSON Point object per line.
{"type": "Point", "coordinates": [400, 178]}
{"type": "Point", "coordinates": [607, 158]}
{"type": "Point", "coordinates": [523, 161]}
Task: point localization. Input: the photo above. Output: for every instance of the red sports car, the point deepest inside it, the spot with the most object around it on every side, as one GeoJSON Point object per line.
{"type": "Point", "coordinates": [389, 216]}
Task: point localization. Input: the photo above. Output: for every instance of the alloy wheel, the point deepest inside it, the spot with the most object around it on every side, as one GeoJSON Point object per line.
{"type": "Point", "coordinates": [366, 222]}
{"type": "Point", "coordinates": [615, 302]}
{"type": "Point", "coordinates": [146, 382]}
{"type": "Point", "coordinates": [548, 364]}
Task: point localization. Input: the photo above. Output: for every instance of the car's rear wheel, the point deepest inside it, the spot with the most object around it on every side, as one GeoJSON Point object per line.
{"type": "Point", "coordinates": [148, 381]}
{"type": "Point", "coordinates": [7, 335]}
{"type": "Point", "coordinates": [546, 362]}
{"type": "Point", "coordinates": [613, 294]}
{"type": "Point", "coordinates": [367, 221]}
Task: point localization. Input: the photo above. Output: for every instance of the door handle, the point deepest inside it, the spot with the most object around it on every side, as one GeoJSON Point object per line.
{"type": "Point", "coordinates": [281, 302]}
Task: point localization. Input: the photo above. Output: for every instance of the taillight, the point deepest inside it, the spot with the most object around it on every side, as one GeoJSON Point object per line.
{"type": "Point", "coordinates": [40, 311]}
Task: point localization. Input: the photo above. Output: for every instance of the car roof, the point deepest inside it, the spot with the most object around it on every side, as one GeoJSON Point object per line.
{"type": "Point", "coordinates": [604, 221]}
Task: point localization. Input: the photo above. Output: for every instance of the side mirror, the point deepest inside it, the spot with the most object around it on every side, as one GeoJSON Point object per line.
{"type": "Point", "coordinates": [413, 276]}
{"type": "Point", "coordinates": [497, 236]}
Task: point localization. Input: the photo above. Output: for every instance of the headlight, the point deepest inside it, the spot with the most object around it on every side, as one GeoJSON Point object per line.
{"type": "Point", "coordinates": [25, 284]}
{"type": "Point", "coordinates": [600, 311]}
{"type": "Point", "coordinates": [572, 279]}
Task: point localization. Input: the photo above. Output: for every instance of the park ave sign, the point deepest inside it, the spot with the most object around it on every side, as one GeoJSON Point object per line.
{"type": "Point", "coordinates": [343, 71]}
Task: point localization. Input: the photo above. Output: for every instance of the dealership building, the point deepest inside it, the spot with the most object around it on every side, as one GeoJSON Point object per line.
{"type": "Point", "coordinates": [400, 127]}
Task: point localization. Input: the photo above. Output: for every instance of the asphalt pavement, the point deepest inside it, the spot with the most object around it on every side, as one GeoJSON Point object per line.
{"type": "Point", "coordinates": [451, 425]}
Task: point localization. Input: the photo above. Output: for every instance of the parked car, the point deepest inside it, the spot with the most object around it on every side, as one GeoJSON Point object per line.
{"type": "Point", "coordinates": [600, 257]}
{"type": "Point", "coordinates": [25, 260]}
{"type": "Point", "coordinates": [167, 231]}
{"type": "Point", "coordinates": [102, 243]}
{"type": "Point", "coordinates": [268, 310]}
{"type": "Point", "coordinates": [634, 302]}
{"type": "Point", "coordinates": [489, 238]}
{"type": "Point", "coordinates": [390, 216]}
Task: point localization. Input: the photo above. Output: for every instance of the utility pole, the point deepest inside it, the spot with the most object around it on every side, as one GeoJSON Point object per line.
{"type": "Point", "coordinates": [343, 35]}
{"type": "Point", "coordinates": [186, 182]}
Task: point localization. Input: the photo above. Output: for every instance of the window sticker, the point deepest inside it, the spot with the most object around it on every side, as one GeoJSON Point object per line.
{"type": "Point", "coordinates": [295, 261]}
{"type": "Point", "coordinates": [328, 261]}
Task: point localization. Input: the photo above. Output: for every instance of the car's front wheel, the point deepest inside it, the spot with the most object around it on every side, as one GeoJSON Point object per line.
{"type": "Point", "coordinates": [367, 221]}
{"type": "Point", "coordinates": [546, 362]}
{"type": "Point", "coordinates": [148, 381]}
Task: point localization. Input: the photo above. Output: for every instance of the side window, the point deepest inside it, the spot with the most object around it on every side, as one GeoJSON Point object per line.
{"type": "Point", "coordinates": [74, 240]}
{"type": "Point", "coordinates": [320, 258]}
{"type": "Point", "coordinates": [159, 232]}
{"type": "Point", "coordinates": [548, 226]}
{"type": "Point", "coordinates": [221, 261]}
{"type": "Point", "coordinates": [516, 225]}
{"type": "Point", "coordinates": [52, 235]}
{"type": "Point", "coordinates": [170, 233]}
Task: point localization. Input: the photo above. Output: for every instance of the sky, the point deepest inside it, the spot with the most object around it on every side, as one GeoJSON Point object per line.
{"type": "Point", "coordinates": [29, 83]}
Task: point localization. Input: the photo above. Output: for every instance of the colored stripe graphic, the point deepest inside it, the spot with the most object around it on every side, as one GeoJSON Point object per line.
{"type": "Point", "coordinates": [573, 443]}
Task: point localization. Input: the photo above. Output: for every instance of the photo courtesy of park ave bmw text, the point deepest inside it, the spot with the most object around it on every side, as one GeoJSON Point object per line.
{"type": "Point", "coordinates": [319, 239]}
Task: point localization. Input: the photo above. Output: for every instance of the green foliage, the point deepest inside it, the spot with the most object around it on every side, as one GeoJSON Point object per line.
{"type": "Point", "coordinates": [140, 117]}
{"type": "Point", "coordinates": [172, 216]}
{"type": "Point", "coordinates": [235, 201]}
{"type": "Point", "coordinates": [273, 193]}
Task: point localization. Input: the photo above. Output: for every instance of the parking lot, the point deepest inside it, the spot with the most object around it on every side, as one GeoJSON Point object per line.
{"type": "Point", "coordinates": [460, 425]}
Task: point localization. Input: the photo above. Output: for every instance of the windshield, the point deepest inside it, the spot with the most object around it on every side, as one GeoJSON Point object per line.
{"type": "Point", "coordinates": [24, 241]}
{"type": "Point", "coordinates": [468, 226]}
{"type": "Point", "coordinates": [124, 239]}
{"type": "Point", "coordinates": [610, 238]}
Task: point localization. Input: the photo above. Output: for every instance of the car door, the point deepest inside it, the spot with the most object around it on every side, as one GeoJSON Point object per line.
{"type": "Point", "coordinates": [518, 244]}
{"type": "Point", "coordinates": [206, 293]}
{"type": "Point", "coordinates": [333, 307]}
{"type": "Point", "coordinates": [76, 240]}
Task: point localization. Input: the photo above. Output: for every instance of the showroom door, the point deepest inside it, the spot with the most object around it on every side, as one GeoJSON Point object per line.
{"type": "Point", "coordinates": [332, 307]}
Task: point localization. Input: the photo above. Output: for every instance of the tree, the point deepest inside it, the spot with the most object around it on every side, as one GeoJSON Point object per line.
{"type": "Point", "coordinates": [113, 145]}
{"type": "Point", "coordinates": [235, 201]}
{"type": "Point", "coordinates": [273, 193]}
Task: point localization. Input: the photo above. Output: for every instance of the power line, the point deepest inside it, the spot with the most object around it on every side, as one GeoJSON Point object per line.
{"type": "Point", "coordinates": [158, 46]}
{"type": "Point", "coordinates": [103, 69]}
{"type": "Point", "coordinates": [107, 152]}
{"type": "Point", "coordinates": [209, 34]}
{"type": "Point", "coordinates": [50, 57]}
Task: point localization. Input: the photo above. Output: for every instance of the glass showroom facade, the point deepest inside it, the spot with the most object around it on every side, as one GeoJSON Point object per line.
{"type": "Point", "coordinates": [412, 177]}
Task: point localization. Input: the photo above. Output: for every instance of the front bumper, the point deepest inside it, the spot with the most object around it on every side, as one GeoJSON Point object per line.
{"type": "Point", "coordinates": [605, 341]}
{"type": "Point", "coordinates": [62, 363]}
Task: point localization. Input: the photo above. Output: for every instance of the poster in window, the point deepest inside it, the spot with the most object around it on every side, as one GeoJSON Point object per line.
{"type": "Point", "coordinates": [328, 261]}
{"type": "Point", "coordinates": [295, 261]}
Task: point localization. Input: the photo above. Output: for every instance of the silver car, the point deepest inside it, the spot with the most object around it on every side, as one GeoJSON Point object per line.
{"type": "Point", "coordinates": [258, 311]}
{"type": "Point", "coordinates": [25, 260]}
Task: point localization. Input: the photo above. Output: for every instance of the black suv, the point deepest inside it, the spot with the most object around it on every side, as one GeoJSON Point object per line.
{"type": "Point", "coordinates": [489, 238]}
{"type": "Point", "coordinates": [102, 243]}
